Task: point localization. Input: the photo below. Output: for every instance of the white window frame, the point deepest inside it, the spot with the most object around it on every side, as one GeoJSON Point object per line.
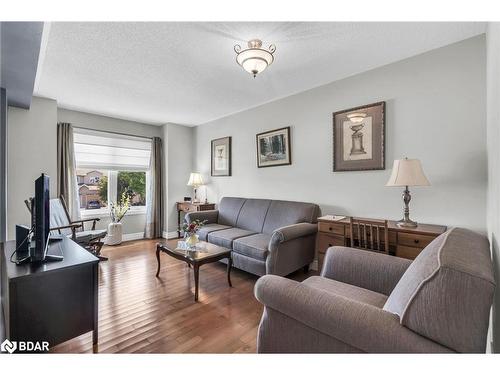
{"type": "Point", "coordinates": [112, 192]}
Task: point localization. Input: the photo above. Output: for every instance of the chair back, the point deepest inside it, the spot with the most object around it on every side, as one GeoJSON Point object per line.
{"type": "Point", "coordinates": [59, 216]}
{"type": "Point", "coordinates": [447, 292]}
{"type": "Point", "coordinates": [369, 234]}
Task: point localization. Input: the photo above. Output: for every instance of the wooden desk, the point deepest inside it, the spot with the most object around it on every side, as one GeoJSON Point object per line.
{"type": "Point", "coordinates": [403, 242]}
{"type": "Point", "coordinates": [53, 301]}
{"type": "Point", "coordinates": [190, 207]}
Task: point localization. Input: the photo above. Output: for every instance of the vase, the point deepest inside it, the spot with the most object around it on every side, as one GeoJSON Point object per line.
{"type": "Point", "coordinates": [115, 234]}
{"type": "Point", "coordinates": [191, 240]}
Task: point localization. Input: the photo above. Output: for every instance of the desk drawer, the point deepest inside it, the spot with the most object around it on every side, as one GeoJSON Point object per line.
{"type": "Point", "coordinates": [408, 252]}
{"type": "Point", "coordinates": [326, 240]}
{"type": "Point", "coordinates": [414, 240]}
{"type": "Point", "coordinates": [332, 228]}
{"type": "Point", "coordinates": [186, 207]}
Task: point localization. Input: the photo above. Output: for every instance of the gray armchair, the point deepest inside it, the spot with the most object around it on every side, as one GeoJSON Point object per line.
{"type": "Point", "coordinates": [376, 303]}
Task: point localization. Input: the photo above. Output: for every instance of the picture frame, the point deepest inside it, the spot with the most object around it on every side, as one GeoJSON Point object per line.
{"type": "Point", "coordinates": [221, 157]}
{"type": "Point", "coordinates": [359, 138]}
{"type": "Point", "coordinates": [274, 148]}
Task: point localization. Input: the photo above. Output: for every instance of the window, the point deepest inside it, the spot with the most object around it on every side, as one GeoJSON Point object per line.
{"type": "Point", "coordinates": [92, 189]}
{"type": "Point", "coordinates": [109, 166]}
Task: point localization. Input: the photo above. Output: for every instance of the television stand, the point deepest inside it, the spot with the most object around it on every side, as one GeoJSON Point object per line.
{"type": "Point", "coordinates": [50, 301]}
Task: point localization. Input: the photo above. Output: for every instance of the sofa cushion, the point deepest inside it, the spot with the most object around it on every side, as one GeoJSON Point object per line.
{"type": "Point", "coordinates": [346, 290]}
{"type": "Point", "coordinates": [252, 214]}
{"type": "Point", "coordinates": [229, 209]}
{"type": "Point", "coordinates": [226, 237]}
{"type": "Point", "coordinates": [447, 291]}
{"type": "Point", "coordinates": [255, 246]}
{"type": "Point", "coordinates": [283, 213]}
{"type": "Point", "coordinates": [209, 228]}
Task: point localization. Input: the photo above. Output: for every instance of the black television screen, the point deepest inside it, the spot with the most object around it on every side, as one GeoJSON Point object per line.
{"type": "Point", "coordinates": [41, 218]}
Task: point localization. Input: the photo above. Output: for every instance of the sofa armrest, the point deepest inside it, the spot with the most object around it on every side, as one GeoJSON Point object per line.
{"type": "Point", "coordinates": [290, 248]}
{"type": "Point", "coordinates": [291, 232]}
{"type": "Point", "coordinates": [360, 325]}
{"type": "Point", "coordinates": [374, 271]}
{"type": "Point", "coordinates": [211, 216]}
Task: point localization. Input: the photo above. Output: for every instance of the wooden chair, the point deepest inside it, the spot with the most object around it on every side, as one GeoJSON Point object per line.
{"type": "Point", "coordinates": [369, 234]}
{"type": "Point", "coordinates": [61, 223]}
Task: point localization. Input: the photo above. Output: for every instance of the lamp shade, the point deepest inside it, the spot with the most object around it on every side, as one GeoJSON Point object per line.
{"type": "Point", "coordinates": [195, 179]}
{"type": "Point", "coordinates": [407, 172]}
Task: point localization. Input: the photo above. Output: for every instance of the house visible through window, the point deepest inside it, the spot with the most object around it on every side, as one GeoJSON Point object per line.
{"type": "Point", "coordinates": [109, 167]}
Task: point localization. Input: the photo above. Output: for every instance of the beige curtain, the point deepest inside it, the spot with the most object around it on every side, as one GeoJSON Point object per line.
{"type": "Point", "coordinates": [154, 206]}
{"type": "Point", "coordinates": [67, 185]}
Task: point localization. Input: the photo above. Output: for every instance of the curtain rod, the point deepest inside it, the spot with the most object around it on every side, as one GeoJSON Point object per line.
{"type": "Point", "coordinates": [111, 132]}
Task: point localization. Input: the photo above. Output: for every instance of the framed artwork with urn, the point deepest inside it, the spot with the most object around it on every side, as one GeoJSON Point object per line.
{"type": "Point", "coordinates": [359, 138]}
{"type": "Point", "coordinates": [221, 157]}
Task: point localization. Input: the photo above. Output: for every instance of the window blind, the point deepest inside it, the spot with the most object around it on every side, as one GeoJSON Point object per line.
{"type": "Point", "coordinates": [109, 151]}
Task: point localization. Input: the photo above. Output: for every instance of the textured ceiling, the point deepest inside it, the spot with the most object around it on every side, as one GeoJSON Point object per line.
{"type": "Point", "coordinates": [186, 73]}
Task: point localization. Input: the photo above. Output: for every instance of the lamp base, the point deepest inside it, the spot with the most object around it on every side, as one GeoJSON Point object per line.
{"type": "Point", "coordinates": [407, 223]}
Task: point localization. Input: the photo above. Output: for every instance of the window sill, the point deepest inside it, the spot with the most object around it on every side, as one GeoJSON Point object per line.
{"type": "Point", "coordinates": [90, 214]}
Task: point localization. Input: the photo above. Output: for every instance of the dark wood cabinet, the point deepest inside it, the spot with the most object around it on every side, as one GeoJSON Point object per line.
{"type": "Point", "coordinates": [403, 242]}
{"type": "Point", "coordinates": [187, 207]}
{"type": "Point", "coordinates": [53, 301]}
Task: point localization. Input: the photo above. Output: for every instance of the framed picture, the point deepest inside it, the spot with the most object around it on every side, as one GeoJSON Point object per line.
{"type": "Point", "coordinates": [273, 148]}
{"type": "Point", "coordinates": [221, 157]}
{"type": "Point", "coordinates": [358, 138]}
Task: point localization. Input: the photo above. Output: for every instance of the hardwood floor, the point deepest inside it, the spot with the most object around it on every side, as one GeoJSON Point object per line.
{"type": "Point", "coordinates": [139, 313]}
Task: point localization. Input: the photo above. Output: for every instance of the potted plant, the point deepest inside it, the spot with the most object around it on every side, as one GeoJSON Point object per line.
{"type": "Point", "coordinates": [116, 212]}
{"type": "Point", "coordinates": [190, 232]}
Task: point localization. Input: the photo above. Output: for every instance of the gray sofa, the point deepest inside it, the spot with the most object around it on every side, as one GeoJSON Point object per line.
{"type": "Point", "coordinates": [370, 302]}
{"type": "Point", "coordinates": [266, 236]}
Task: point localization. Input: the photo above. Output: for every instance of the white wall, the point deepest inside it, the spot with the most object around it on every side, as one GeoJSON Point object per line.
{"type": "Point", "coordinates": [32, 143]}
{"type": "Point", "coordinates": [32, 149]}
{"type": "Point", "coordinates": [178, 152]}
{"type": "Point", "coordinates": [435, 111]}
{"type": "Point", "coordinates": [493, 119]}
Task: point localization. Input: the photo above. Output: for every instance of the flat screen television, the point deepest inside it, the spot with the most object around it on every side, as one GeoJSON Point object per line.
{"type": "Point", "coordinates": [41, 218]}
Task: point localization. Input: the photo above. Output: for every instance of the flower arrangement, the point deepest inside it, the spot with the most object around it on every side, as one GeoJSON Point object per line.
{"type": "Point", "coordinates": [118, 210]}
{"type": "Point", "coordinates": [193, 227]}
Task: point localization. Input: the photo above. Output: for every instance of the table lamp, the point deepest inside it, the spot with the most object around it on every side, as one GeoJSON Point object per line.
{"type": "Point", "coordinates": [195, 180]}
{"type": "Point", "coordinates": [407, 172]}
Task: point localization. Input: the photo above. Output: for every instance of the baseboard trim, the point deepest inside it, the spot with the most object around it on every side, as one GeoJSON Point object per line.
{"type": "Point", "coordinates": [169, 235]}
{"type": "Point", "coordinates": [133, 236]}
{"type": "Point", "coordinates": [314, 265]}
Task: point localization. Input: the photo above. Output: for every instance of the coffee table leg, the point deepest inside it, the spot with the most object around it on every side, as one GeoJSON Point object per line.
{"type": "Point", "coordinates": [229, 266]}
{"type": "Point", "coordinates": [158, 260]}
{"type": "Point", "coordinates": [196, 280]}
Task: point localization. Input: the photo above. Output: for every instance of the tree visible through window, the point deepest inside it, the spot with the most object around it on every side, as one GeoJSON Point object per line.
{"type": "Point", "coordinates": [134, 185]}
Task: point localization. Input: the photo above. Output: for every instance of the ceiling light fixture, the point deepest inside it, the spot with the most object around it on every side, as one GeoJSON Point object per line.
{"type": "Point", "coordinates": [254, 59]}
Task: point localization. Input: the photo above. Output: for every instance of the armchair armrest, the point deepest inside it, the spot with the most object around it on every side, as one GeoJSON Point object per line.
{"type": "Point", "coordinates": [374, 271]}
{"type": "Point", "coordinates": [73, 228]}
{"type": "Point", "coordinates": [361, 325]}
{"type": "Point", "coordinates": [83, 221]}
{"type": "Point", "coordinates": [210, 215]}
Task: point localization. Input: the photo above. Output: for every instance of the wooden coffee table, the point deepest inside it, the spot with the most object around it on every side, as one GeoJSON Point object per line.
{"type": "Point", "coordinates": [204, 253]}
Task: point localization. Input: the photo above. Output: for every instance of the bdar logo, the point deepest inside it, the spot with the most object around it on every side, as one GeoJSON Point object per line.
{"type": "Point", "coordinates": [8, 346]}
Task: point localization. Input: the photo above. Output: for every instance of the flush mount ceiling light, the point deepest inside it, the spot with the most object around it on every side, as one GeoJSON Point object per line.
{"type": "Point", "coordinates": [254, 59]}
